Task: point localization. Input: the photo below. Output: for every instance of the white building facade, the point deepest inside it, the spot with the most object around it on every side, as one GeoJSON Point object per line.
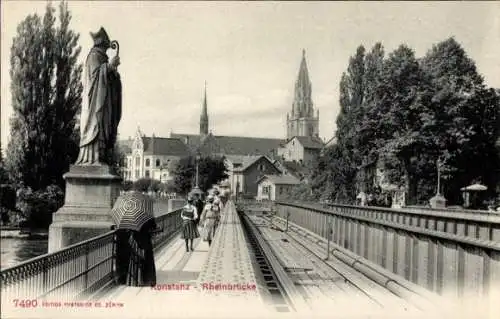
{"type": "Point", "coordinates": [152, 157]}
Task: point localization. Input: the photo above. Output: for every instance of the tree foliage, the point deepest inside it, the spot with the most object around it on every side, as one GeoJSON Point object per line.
{"type": "Point", "coordinates": [36, 207]}
{"type": "Point", "coordinates": [406, 114]}
{"type": "Point", "coordinates": [46, 97]}
{"type": "Point", "coordinates": [146, 184]}
{"type": "Point", "coordinates": [211, 170]}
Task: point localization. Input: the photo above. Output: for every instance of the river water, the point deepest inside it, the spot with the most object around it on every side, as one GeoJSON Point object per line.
{"type": "Point", "coordinates": [16, 250]}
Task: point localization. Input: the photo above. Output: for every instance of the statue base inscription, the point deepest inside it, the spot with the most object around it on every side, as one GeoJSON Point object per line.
{"type": "Point", "coordinates": [91, 191]}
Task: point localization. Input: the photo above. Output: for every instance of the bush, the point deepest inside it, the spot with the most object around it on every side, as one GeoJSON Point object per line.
{"type": "Point", "coordinates": [127, 185]}
{"type": "Point", "coordinates": [7, 203]}
{"type": "Point", "coordinates": [167, 187]}
{"type": "Point", "coordinates": [7, 196]}
{"type": "Point", "coordinates": [146, 184]}
{"type": "Point", "coordinates": [37, 207]}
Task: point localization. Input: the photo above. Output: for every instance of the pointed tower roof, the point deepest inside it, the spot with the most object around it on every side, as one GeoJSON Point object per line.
{"type": "Point", "coordinates": [204, 114]}
{"type": "Point", "coordinates": [303, 77]}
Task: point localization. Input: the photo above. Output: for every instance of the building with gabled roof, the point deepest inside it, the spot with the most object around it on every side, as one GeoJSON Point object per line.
{"type": "Point", "coordinates": [302, 149]}
{"type": "Point", "coordinates": [151, 157]}
{"type": "Point", "coordinates": [230, 145]}
{"type": "Point", "coordinates": [244, 172]}
{"type": "Point", "coordinates": [275, 187]}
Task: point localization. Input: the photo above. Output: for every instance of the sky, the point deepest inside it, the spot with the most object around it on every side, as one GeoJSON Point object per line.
{"type": "Point", "coordinates": [249, 54]}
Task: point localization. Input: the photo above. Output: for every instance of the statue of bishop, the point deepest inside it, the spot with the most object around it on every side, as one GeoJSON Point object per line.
{"type": "Point", "coordinates": [101, 104]}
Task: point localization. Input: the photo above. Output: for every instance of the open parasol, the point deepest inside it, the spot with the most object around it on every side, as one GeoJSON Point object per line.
{"type": "Point", "coordinates": [196, 191]}
{"type": "Point", "coordinates": [474, 187]}
{"type": "Point", "coordinates": [132, 210]}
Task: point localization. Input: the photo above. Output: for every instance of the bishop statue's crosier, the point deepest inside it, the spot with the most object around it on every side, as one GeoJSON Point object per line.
{"type": "Point", "coordinates": [101, 103]}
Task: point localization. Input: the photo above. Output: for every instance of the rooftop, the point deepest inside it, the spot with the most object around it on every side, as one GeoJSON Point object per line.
{"type": "Point", "coordinates": [281, 179]}
{"type": "Point", "coordinates": [310, 142]}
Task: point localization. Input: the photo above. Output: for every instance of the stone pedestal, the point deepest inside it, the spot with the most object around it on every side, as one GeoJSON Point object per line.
{"type": "Point", "coordinates": [438, 201]}
{"type": "Point", "coordinates": [91, 191]}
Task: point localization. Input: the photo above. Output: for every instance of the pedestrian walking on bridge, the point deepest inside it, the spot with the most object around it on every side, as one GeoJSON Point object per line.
{"type": "Point", "coordinates": [189, 230]}
{"type": "Point", "coordinates": [209, 219]}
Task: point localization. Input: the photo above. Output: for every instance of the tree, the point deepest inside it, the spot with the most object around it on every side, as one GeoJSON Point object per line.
{"type": "Point", "coordinates": [374, 63]}
{"type": "Point", "coordinates": [67, 96]}
{"type": "Point", "coordinates": [4, 177]}
{"type": "Point", "coordinates": [184, 173]}
{"type": "Point", "coordinates": [334, 176]}
{"type": "Point", "coordinates": [210, 172]}
{"type": "Point", "coordinates": [146, 184]}
{"type": "Point", "coordinates": [401, 106]}
{"type": "Point", "coordinates": [46, 96]}
{"type": "Point", "coordinates": [465, 118]}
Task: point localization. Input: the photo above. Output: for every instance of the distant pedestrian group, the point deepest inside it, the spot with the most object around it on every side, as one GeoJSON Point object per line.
{"type": "Point", "coordinates": [197, 213]}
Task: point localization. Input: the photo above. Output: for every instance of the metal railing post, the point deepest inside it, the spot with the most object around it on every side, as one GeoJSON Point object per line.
{"type": "Point", "coordinates": [329, 236]}
{"type": "Point", "coordinates": [87, 250]}
{"type": "Point", "coordinates": [287, 217]}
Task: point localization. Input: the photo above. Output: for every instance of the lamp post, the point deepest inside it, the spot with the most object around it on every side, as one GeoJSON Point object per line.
{"type": "Point", "coordinates": [439, 164]}
{"type": "Point", "coordinates": [438, 177]}
{"type": "Point", "coordinates": [438, 201]}
{"type": "Point", "coordinates": [197, 169]}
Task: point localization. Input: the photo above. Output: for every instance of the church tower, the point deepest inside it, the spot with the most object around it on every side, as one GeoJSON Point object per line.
{"type": "Point", "coordinates": [204, 115]}
{"type": "Point", "coordinates": [302, 122]}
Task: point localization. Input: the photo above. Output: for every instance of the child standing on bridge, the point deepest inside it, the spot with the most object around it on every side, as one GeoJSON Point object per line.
{"type": "Point", "coordinates": [189, 229]}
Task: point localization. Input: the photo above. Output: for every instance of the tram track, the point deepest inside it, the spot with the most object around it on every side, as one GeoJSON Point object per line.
{"type": "Point", "coordinates": [279, 288]}
{"type": "Point", "coordinates": [306, 280]}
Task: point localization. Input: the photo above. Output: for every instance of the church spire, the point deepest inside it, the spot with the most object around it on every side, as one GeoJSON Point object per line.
{"type": "Point", "coordinates": [204, 114]}
{"type": "Point", "coordinates": [303, 107]}
{"type": "Point", "coordinates": [301, 121]}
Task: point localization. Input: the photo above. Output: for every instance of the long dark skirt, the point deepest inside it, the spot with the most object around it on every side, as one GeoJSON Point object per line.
{"type": "Point", "coordinates": [189, 230]}
{"type": "Point", "coordinates": [136, 264]}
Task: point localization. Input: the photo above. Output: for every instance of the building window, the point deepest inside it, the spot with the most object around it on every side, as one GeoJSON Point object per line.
{"type": "Point", "coordinates": [137, 161]}
{"type": "Point", "coordinates": [129, 162]}
{"type": "Point", "coordinates": [147, 173]}
{"type": "Point", "coordinates": [266, 190]}
{"type": "Point", "coordinates": [136, 173]}
{"type": "Point", "coordinates": [148, 162]}
{"type": "Point", "coordinates": [158, 162]}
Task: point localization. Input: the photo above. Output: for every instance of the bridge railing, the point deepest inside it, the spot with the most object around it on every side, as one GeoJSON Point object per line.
{"type": "Point", "coordinates": [76, 271]}
{"type": "Point", "coordinates": [251, 204]}
{"type": "Point", "coordinates": [448, 264]}
{"type": "Point", "coordinates": [475, 224]}
{"type": "Point", "coordinates": [470, 224]}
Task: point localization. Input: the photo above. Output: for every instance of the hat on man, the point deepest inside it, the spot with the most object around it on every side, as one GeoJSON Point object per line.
{"type": "Point", "coordinates": [100, 37]}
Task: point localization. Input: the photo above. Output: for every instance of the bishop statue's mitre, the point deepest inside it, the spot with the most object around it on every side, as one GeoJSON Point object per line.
{"type": "Point", "coordinates": [100, 36]}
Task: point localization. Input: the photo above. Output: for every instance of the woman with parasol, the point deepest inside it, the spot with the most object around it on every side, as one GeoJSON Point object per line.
{"type": "Point", "coordinates": [133, 215]}
{"type": "Point", "coordinates": [189, 230]}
